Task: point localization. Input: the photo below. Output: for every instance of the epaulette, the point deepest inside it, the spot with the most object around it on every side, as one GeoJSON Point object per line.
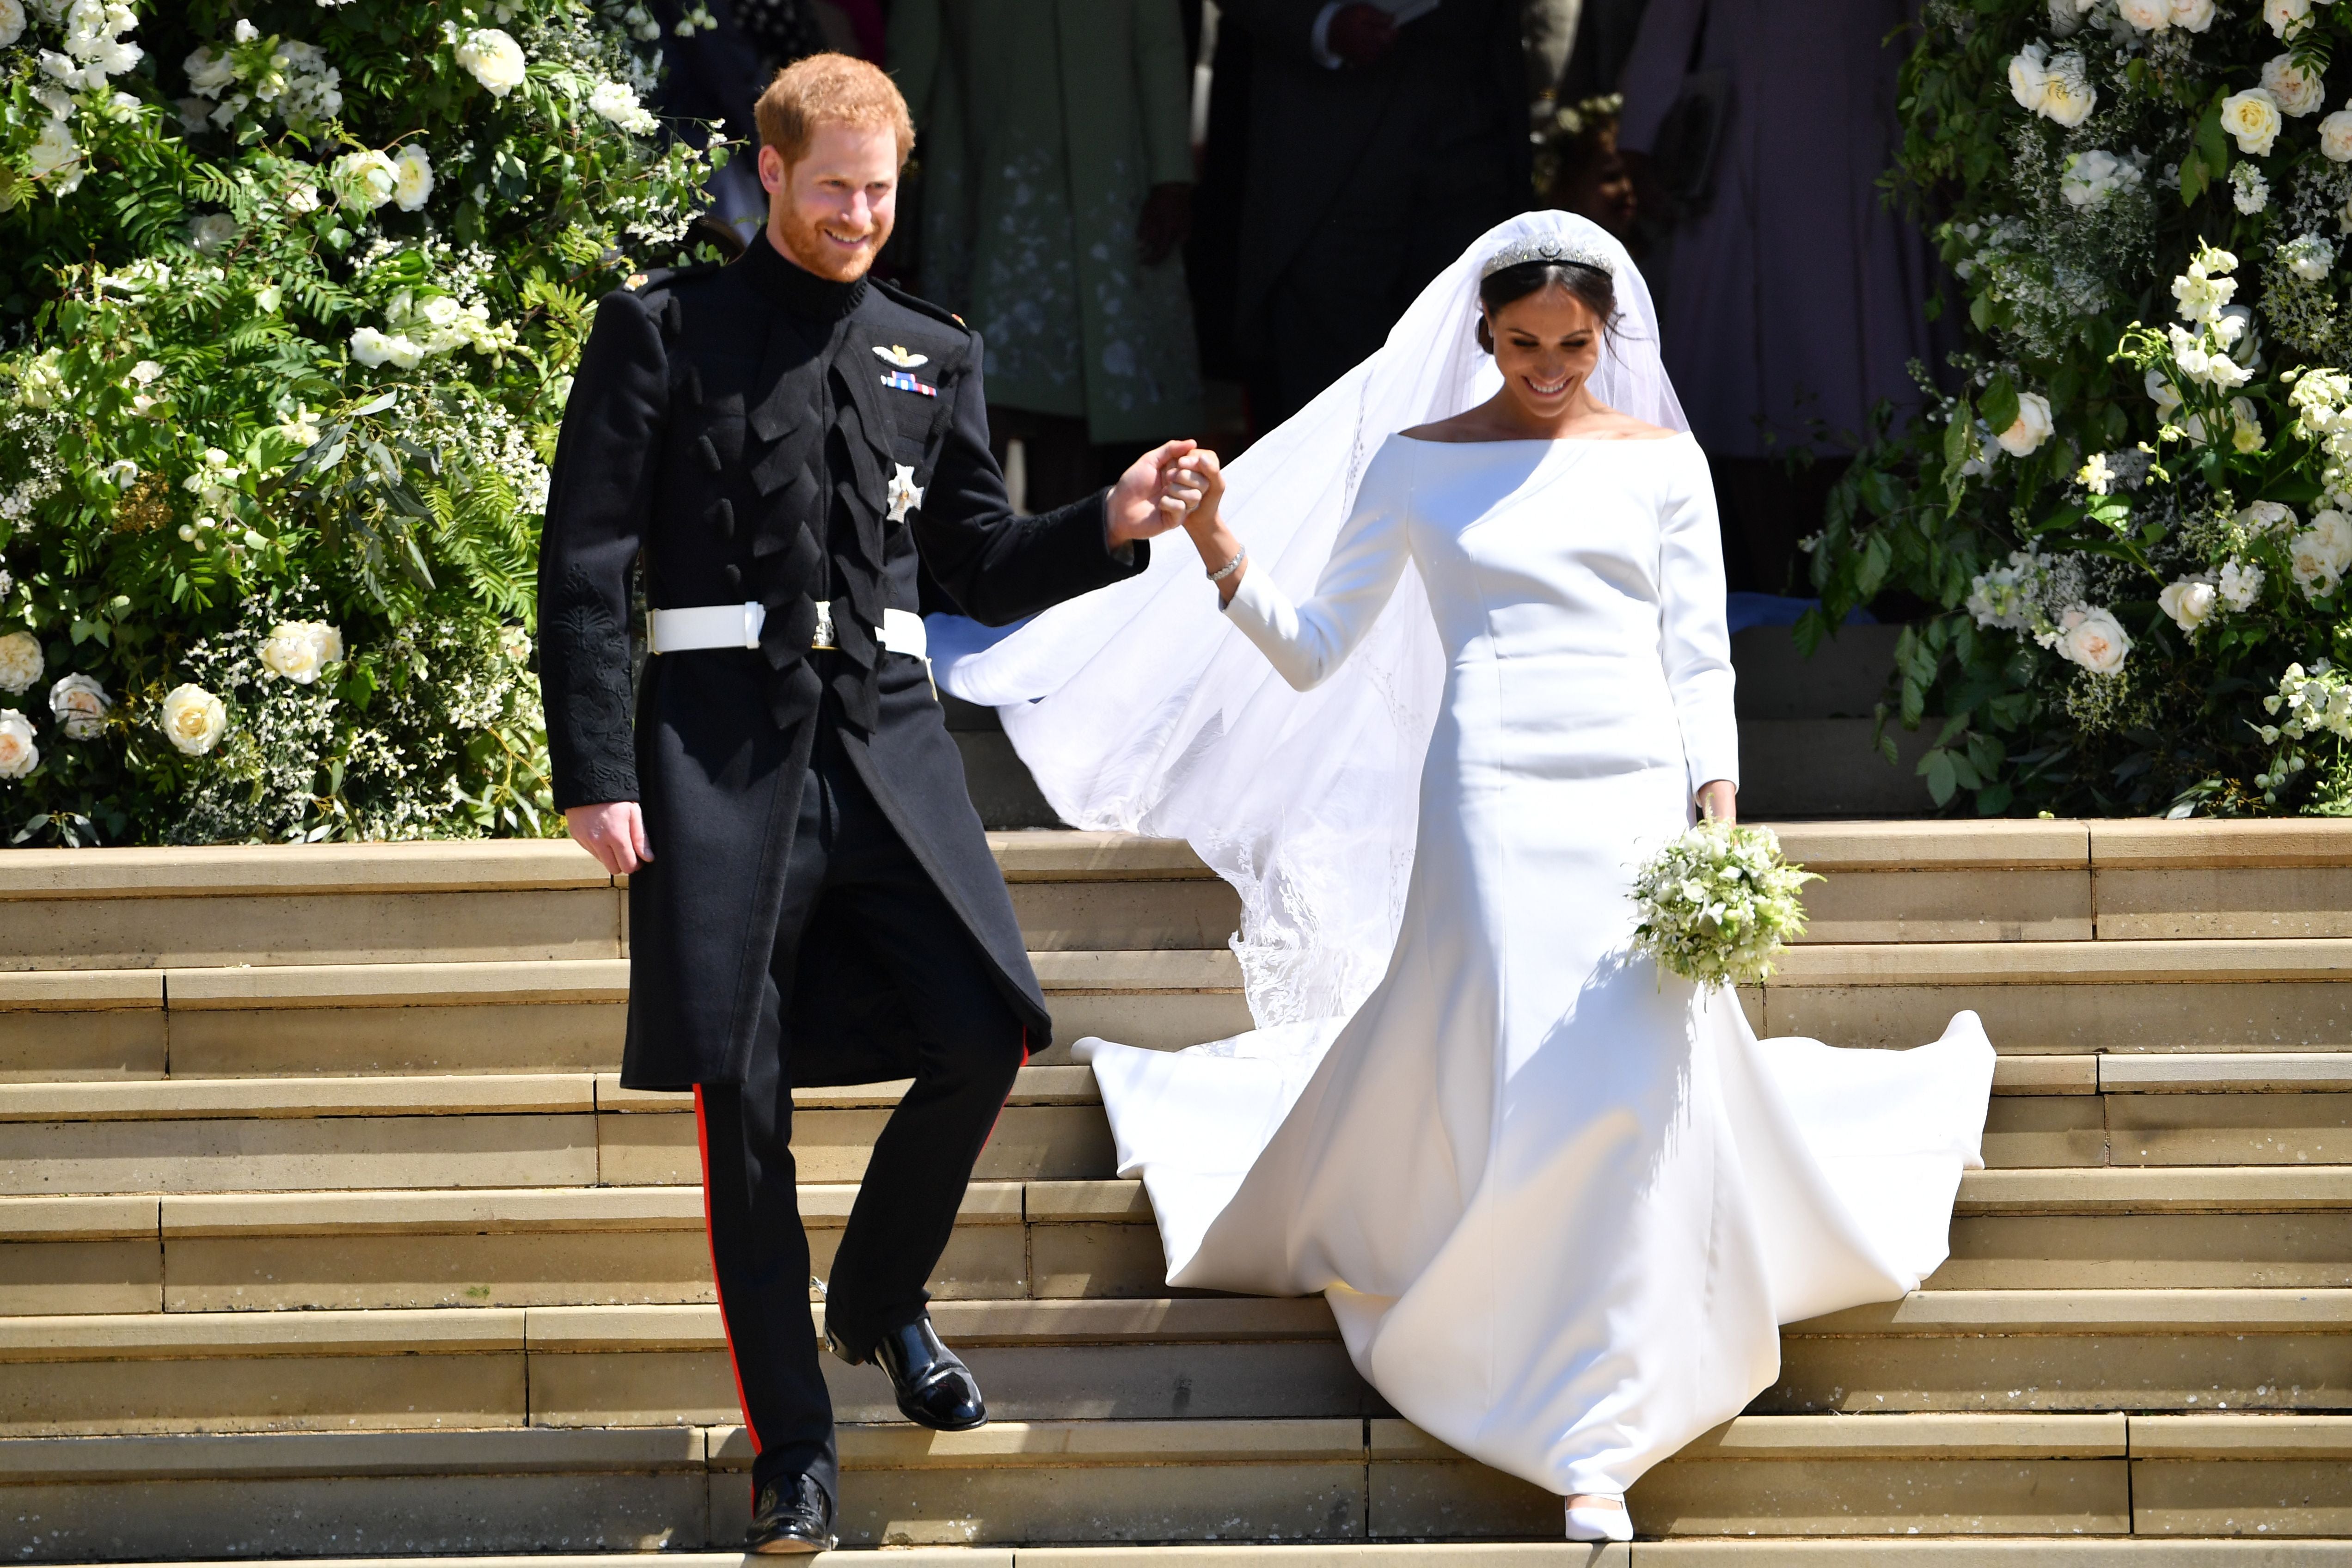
{"type": "Point", "coordinates": [916, 302]}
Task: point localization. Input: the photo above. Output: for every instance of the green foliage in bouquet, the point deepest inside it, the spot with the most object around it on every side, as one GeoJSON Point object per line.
{"type": "Point", "coordinates": [290, 291]}
{"type": "Point", "coordinates": [1717, 903]}
{"type": "Point", "coordinates": [2129, 511]}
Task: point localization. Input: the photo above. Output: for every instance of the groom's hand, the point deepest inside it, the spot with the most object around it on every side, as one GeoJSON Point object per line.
{"type": "Point", "coordinates": [1150, 498]}
{"type": "Point", "coordinates": [615, 833]}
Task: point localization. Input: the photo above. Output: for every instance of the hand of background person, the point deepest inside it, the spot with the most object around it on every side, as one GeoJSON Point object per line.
{"type": "Point", "coordinates": [1146, 502]}
{"type": "Point", "coordinates": [1166, 223]}
{"type": "Point", "coordinates": [615, 833]}
{"type": "Point", "coordinates": [1359, 34]}
{"type": "Point", "coordinates": [1719, 800]}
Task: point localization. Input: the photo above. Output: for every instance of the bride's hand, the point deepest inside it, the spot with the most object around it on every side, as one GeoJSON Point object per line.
{"type": "Point", "coordinates": [1200, 479]}
{"type": "Point", "coordinates": [1717, 798]}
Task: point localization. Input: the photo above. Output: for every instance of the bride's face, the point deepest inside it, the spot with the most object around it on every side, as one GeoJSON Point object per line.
{"type": "Point", "coordinates": [1545, 344]}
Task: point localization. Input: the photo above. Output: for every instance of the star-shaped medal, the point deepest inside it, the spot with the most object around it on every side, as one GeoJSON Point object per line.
{"type": "Point", "coordinates": [905, 494]}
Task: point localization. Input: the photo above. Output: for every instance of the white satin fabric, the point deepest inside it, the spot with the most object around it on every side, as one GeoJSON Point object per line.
{"type": "Point", "coordinates": [1559, 1201]}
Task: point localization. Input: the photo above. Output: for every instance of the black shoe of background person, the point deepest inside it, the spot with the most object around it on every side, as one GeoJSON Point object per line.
{"type": "Point", "coordinates": [793, 1517]}
{"type": "Point", "coordinates": [935, 1389]}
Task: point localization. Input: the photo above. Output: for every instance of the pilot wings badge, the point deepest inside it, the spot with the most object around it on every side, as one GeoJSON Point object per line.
{"type": "Point", "coordinates": [904, 358]}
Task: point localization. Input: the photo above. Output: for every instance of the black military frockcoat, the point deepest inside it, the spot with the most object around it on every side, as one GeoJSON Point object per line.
{"type": "Point", "coordinates": [747, 430]}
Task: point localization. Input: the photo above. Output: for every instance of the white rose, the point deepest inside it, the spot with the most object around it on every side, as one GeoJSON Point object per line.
{"type": "Point", "coordinates": [365, 180]}
{"type": "Point", "coordinates": [412, 178]}
{"type": "Point", "coordinates": [79, 704]}
{"type": "Point", "coordinates": [2029, 76]}
{"type": "Point", "coordinates": [495, 59]}
{"type": "Point", "coordinates": [193, 719]}
{"type": "Point", "coordinates": [2068, 96]}
{"type": "Point", "coordinates": [2299, 90]}
{"type": "Point", "coordinates": [2024, 438]}
{"type": "Point", "coordinates": [2148, 16]}
{"type": "Point", "coordinates": [298, 650]}
{"type": "Point", "coordinates": [2287, 18]}
{"type": "Point", "coordinates": [21, 663]}
{"type": "Point", "coordinates": [302, 200]}
{"type": "Point", "coordinates": [55, 152]}
{"type": "Point", "coordinates": [19, 755]}
{"type": "Point", "coordinates": [2252, 117]}
{"type": "Point", "coordinates": [11, 22]}
{"type": "Point", "coordinates": [2094, 640]}
{"type": "Point", "coordinates": [209, 73]}
{"type": "Point", "coordinates": [2193, 15]}
{"type": "Point", "coordinates": [2189, 602]}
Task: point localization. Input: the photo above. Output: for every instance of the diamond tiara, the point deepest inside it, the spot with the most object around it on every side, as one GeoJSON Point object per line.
{"type": "Point", "coordinates": [1519, 252]}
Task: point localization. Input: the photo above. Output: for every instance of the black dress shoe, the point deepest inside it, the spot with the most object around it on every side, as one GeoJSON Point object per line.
{"type": "Point", "coordinates": [934, 1388]}
{"type": "Point", "coordinates": [793, 1517]}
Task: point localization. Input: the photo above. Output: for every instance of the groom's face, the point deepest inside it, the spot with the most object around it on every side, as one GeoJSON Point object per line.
{"type": "Point", "coordinates": [832, 210]}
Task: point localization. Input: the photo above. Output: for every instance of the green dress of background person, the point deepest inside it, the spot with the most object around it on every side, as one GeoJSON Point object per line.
{"type": "Point", "coordinates": [1042, 125]}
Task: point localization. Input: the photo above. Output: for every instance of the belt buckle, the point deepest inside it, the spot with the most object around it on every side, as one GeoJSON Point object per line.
{"type": "Point", "coordinates": [823, 636]}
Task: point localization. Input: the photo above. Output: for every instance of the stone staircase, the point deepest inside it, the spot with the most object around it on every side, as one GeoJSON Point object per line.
{"type": "Point", "coordinates": [326, 1231]}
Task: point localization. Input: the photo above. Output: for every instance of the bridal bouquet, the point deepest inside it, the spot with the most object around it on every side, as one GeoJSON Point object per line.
{"type": "Point", "coordinates": [1717, 903]}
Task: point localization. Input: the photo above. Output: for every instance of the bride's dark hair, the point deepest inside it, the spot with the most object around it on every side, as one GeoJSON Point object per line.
{"type": "Point", "coordinates": [1594, 287]}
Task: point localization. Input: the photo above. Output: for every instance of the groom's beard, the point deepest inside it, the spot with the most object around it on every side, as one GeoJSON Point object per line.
{"type": "Point", "coordinates": [806, 243]}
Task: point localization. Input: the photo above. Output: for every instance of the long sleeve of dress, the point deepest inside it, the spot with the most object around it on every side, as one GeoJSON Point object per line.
{"type": "Point", "coordinates": [1695, 636]}
{"type": "Point", "coordinates": [1306, 644]}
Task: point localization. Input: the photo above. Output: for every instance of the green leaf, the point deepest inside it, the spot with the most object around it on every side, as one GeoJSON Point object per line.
{"type": "Point", "coordinates": [1943, 782]}
{"type": "Point", "coordinates": [2000, 406]}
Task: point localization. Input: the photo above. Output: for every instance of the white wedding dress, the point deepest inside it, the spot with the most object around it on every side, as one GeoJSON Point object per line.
{"type": "Point", "coordinates": [1557, 1200]}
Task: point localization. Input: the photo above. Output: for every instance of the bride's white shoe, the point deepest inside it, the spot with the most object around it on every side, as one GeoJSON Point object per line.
{"type": "Point", "coordinates": [1599, 1523]}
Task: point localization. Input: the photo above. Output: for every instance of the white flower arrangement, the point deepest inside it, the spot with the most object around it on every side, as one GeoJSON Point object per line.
{"type": "Point", "coordinates": [79, 704]}
{"type": "Point", "coordinates": [299, 651]}
{"type": "Point", "coordinates": [2090, 635]}
{"type": "Point", "coordinates": [2188, 603]}
{"type": "Point", "coordinates": [2031, 427]}
{"type": "Point", "coordinates": [365, 180]}
{"type": "Point", "coordinates": [412, 178]}
{"type": "Point", "coordinates": [2254, 117]}
{"type": "Point", "coordinates": [1717, 903]}
{"type": "Point", "coordinates": [616, 102]}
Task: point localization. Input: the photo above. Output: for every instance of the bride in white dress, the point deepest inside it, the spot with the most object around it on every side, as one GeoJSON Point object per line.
{"type": "Point", "coordinates": [1557, 1200]}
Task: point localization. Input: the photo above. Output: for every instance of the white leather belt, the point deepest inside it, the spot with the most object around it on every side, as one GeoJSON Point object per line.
{"type": "Point", "coordinates": [738, 625]}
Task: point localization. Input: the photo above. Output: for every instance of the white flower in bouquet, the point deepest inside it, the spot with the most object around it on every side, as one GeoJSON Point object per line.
{"type": "Point", "coordinates": [2148, 16]}
{"type": "Point", "coordinates": [2096, 475]}
{"type": "Point", "coordinates": [193, 719]}
{"type": "Point", "coordinates": [21, 663]}
{"type": "Point", "coordinates": [2245, 426]}
{"type": "Point", "coordinates": [412, 178]}
{"type": "Point", "coordinates": [2287, 18]}
{"type": "Point", "coordinates": [300, 650]}
{"type": "Point", "coordinates": [2092, 639]}
{"type": "Point", "coordinates": [494, 58]}
{"type": "Point", "coordinates": [2090, 178]}
{"type": "Point", "coordinates": [2308, 257]}
{"type": "Point", "coordinates": [11, 22]}
{"type": "Point", "coordinates": [2067, 95]}
{"type": "Point", "coordinates": [79, 705]}
{"type": "Point", "coordinates": [2240, 583]}
{"type": "Point", "coordinates": [2189, 602]}
{"type": "Point", "coordinates": [617, 103]}
{"type": "Point", "coordinates": [2031, 427]}
{"type": "Point", "coordinates": [2297, 87]}
{"type": "Point", "coordinates": [2029, 76]}
{"type": "Point", "coordinates": [363, 181]}
{"type": "Point", "coordinates": [2202, 291]}
{"type": "Point", "coordinates": [2192, 16]}
{"type": "Point", "coordinates": [2250, 193]}
{"type": "Point", "coordinates": [2252, 117]}
{"type": "Point", "coordinates": [209, 74]}
{"type": "Point", "coordinates": [2335, 136]}
{"type": "Point", "coordinates": [372, 348]}
{"type": "Point", "coordinates": [55, 156]}
{"type": "Point", "coordinates": [94, 35]}
{"type": "Point", "coordinates": [1717, 903]}
{"type": "Point", "coordinates": [19, 755]}
{"type": "Point", "coordinates": [2322, 553]}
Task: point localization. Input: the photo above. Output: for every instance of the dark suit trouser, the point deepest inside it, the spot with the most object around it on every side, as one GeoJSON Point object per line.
{"type": "Point", "coordinates": [848, 864]}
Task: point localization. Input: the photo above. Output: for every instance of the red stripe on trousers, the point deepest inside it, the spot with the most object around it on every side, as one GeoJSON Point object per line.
{"type": "Point", "coordinates": [702, 1142]}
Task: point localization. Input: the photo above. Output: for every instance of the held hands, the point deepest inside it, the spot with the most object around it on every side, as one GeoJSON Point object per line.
{"type": "Point", "coordinates": [1147, 501]}
{"type": "Point", "coordinates": [614, 833]}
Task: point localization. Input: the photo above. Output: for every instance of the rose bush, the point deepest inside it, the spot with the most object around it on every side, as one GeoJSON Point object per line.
{"type": "Point", "coordinates": [2127, 505]}
{"type": "Point", "coordinates": [290, 294]}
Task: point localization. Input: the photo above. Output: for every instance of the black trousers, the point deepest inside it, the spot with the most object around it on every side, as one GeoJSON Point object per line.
{"type": "Point", "coordinates": [848, 864]}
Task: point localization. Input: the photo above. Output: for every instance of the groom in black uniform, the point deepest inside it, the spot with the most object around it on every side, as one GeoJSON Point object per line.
{"type": "Point", "coordinates": [781, 444]}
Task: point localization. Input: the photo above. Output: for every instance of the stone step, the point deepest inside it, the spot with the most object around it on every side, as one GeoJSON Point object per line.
{"type": "Point", "coordinates": [1345, 1484]}
{"type": "Point", "coordinates": [1225, 1358]}
{"type": "Point", "coordinates": [1045, 1240]}
{"type": "Point", "coordinates": [552, 1129]}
